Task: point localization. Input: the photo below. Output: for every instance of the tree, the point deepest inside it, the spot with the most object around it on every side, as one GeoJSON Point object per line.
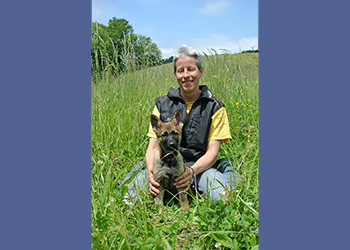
{"type": "Point", "coordinates": [167, 60]}
{"type": "Point", "coordinates": [101, 47]}
{"type": "Point", "coordinates": [117, 30]}
{"type": "Point", "coordinates": [146, 51]}
{"type": "Point", "coordinates": [116, 46]}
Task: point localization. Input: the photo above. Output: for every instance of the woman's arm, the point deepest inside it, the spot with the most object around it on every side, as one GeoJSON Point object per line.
{"type": "Point", "coordinates": [202, 164]}
{"type": "Point", "coordinates": [152, 146]}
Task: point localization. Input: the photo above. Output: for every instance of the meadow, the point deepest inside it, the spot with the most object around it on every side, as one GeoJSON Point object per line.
{"type": "Point", "coordinates": [121, 106]}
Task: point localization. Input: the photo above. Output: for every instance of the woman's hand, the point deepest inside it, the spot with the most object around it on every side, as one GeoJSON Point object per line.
{"type": "Point", "coordinates": [152, 184]}
{"type": "Point", "coordinates": [184, 180]}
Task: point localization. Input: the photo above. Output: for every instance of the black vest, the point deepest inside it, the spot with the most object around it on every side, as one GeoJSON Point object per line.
{"type": "Point", "coordinates": [195, 131]}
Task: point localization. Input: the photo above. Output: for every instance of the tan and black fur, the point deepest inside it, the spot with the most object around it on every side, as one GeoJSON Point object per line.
{"type": "Point", "coordinates": [168, 163]}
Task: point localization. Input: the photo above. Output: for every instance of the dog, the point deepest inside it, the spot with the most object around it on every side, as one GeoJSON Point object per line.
{"type": "Point", "coordinates": [168, 163]}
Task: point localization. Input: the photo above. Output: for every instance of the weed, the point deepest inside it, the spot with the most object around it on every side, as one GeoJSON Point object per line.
{"type": "Point", "coordinates": [121, 106]}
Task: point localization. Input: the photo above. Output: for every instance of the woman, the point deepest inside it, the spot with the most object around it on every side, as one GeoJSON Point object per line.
{"type": "Point", "coordinates": [205, 129]}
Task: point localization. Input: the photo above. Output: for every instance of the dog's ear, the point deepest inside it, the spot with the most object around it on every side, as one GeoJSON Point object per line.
{"type": "Point", "coordinates": [155, 122]}
{"type": "Point", "coordinates": [177, 119]}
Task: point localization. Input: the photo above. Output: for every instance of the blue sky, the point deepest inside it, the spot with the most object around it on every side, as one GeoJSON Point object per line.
{"type": "Point", "coordinates": [219, 24]}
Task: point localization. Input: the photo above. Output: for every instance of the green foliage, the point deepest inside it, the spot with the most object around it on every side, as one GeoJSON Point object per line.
{"type": "Point", "coordinates": [117, 30]}
{"type": "Point", "coordinates": [121, 108]}
{"type": "Point", "coordinates": [167, 60]}
{"type": "Point", "coordinates": [115, 48]}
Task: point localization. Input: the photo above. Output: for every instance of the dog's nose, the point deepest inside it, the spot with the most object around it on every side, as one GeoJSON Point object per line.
{"type": "Point", "coordinates": [172, 144]}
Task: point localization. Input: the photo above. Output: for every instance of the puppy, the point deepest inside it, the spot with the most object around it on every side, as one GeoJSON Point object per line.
{"type": "Point", "coordinates": [168, 163]}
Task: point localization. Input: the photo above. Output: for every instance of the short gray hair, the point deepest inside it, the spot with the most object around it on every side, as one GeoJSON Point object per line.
{"type": "Point", "coordinates": [187, 51]}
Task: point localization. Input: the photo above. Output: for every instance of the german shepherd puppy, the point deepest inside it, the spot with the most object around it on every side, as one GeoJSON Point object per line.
{"type": "Point", "coordinates": [168, 163]}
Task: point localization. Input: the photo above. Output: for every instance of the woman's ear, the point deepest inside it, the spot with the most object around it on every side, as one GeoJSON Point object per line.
{"type": "Point", "coordinates": [201, 71]}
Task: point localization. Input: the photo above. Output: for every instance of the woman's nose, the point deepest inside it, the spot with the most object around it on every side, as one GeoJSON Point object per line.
{"type": "Point", "coordinates": [186, 73]}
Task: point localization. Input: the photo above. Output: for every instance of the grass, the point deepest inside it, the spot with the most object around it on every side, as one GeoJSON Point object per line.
{"type": "Point", "coordinates": [121, 108]}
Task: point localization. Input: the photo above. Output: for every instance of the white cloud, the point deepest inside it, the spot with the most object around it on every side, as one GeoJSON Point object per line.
{"type": "Point", "coordinates": [247, 43]}
{"type": "Point", "coordinates": [221, 42]}
{"type": "Point", "coordinates": [217, 41]}
{"type": "Point", "coordinates": [215, 7]}
{"type": "Point", "coordinates": [167, 52]}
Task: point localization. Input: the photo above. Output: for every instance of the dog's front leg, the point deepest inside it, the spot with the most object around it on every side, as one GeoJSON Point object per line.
{"type": "Point", "coordinates": [159, 198]}
{"type": "Point", "coordinates": [183, 200]}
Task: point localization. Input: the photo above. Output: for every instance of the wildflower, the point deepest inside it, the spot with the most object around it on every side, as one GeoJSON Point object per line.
{"type": "Point", "coordinates": [237, 103]}
{"type": "Point", "coordinates": [243, 104]}
{"type": "Point", "coordinates": [140, 105]}
{"type": "Point", "coordinates": [161, 92]}
{"type": "Point", "coordinates": [214, 75]}
{"type": "Point", "coordinates": [166, 79]}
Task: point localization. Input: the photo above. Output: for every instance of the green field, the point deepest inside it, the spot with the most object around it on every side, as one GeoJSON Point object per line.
{"type": "Point", "coordinates": [121, 109]}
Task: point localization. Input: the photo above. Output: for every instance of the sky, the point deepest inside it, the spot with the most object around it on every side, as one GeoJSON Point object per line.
{"type": "Point", "coordinates": [222, 25]}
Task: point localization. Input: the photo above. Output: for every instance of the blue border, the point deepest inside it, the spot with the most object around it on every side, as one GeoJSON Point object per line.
{"type": "Point", "coordinates": [304, 120]}
{"type": "Point", "coordinates": [45, 124]}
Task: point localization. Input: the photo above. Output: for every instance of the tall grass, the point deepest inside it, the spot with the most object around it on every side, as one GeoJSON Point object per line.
{"type": "Point", "coordinates": [121, 108]}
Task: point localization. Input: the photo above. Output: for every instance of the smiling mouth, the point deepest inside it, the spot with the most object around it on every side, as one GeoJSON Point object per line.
{"type": "Point", "coordinates": [187, 82]}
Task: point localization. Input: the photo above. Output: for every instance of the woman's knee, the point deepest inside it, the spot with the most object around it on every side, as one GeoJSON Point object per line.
{"type": "Point", "coordinates": [212, 183]}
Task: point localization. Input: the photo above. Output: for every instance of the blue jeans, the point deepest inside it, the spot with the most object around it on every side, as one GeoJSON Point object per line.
{"type": "Point", "coordinates": [211, 182]}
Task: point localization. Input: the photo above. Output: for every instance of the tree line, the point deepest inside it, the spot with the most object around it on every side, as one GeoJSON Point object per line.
{"type": "Point", "coordinates": [250, 51]}
{"type": "Point", "coordinates": [116, 48]}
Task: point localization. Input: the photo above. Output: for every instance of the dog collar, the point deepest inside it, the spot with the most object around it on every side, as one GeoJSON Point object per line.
{"type": "Point", "coordinates": [168, 157]}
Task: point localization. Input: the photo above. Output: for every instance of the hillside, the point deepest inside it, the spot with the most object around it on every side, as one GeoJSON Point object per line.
{"type": "Point", "coordinates": [121, 107]}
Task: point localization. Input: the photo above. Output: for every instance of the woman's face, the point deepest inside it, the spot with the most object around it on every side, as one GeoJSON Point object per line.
{"type": "Point", "coordinates": [187, 75]}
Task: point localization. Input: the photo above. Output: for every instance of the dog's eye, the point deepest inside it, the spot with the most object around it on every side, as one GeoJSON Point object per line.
{"type": "Point", "coordinates": [174, 133]}
{"type": "Point", "coordinates": [165, 134]}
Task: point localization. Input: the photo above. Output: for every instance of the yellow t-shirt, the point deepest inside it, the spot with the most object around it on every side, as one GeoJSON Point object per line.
{"type": "Point", "coordinates": [219, 128]}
